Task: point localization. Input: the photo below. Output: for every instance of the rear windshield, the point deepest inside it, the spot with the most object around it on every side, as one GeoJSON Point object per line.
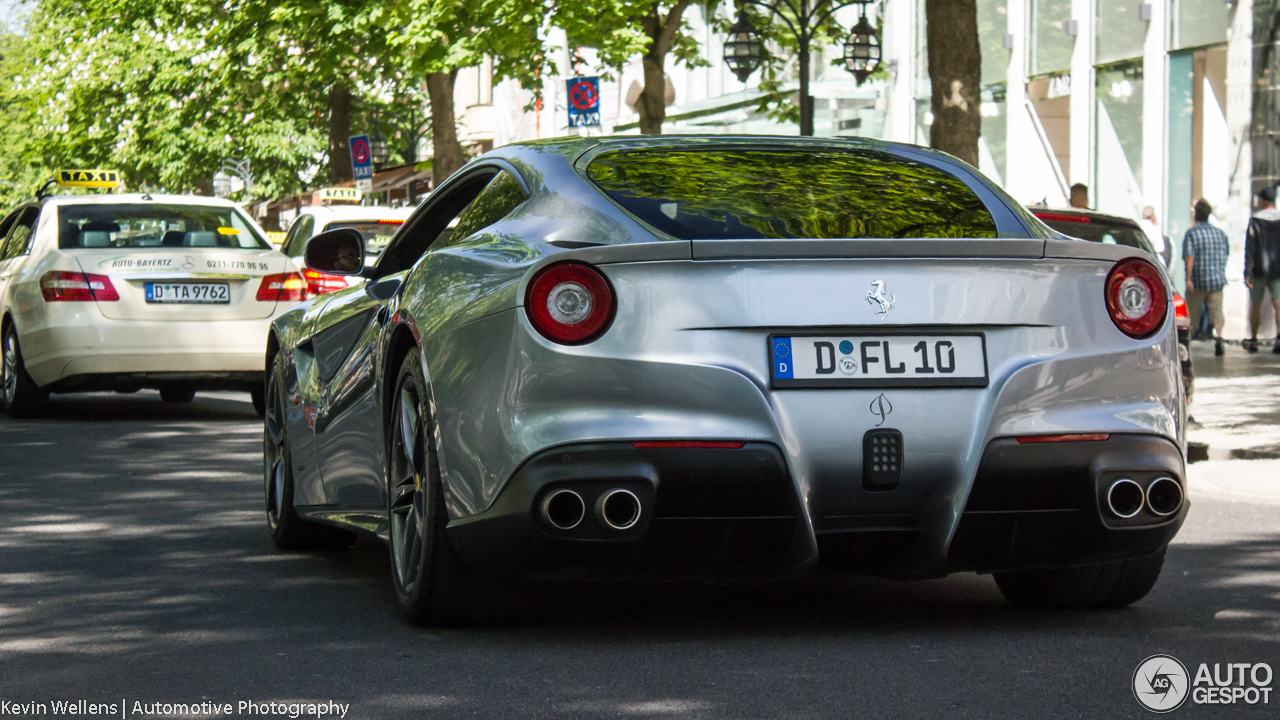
{"type": "Point", "coordinates": [151, 225]}
{"type": "Point", "coordinates": [376, 233]}
{"type": "Point", "coordinates": [1103, 232]}
{"type": "Point", "coordinates": [777, 193]}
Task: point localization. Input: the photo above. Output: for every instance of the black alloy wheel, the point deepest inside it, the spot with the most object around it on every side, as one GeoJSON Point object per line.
{"type": "Point", "coordinates": [431, 582]}
{"type": "Point", "coordinates": [22, 398]}
{"type": "Point", "coordinates": [288, 530]}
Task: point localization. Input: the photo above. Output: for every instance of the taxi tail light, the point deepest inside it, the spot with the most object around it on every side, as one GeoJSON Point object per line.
{"type": "Point", "coordinates": [570, 303]}
{"type": "Point", "coordinates": [1180, 315]}
{"type": "Point", "coordinates": [319, 283]}
{"type": "Point", "coordinates": [60, 286]}
{"type": "Point", "coordinates": [282, 287]}
{"type": "Point", "coordinates": [1137, 299]}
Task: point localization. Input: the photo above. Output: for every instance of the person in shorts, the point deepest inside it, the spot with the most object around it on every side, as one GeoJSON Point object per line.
{"type": "Point", "coordinates": [1205, 248]}
{"type": "Point", "coordinates": [1262, 263]}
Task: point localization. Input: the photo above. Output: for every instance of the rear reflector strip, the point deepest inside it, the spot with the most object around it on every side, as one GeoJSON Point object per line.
{"type": "Point", "coordinates": [1047, 217]}
{"type": "Point", "coordinates": [1078, 437]}
{"type": "Point", "coordinates": [699, 444]}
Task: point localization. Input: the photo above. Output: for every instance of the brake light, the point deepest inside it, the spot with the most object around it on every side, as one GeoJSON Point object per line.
{"type": "Point", "coordinates": [1136, 298]}
{"type": "Point", "coordinates": [1181, 317]}
{"type": "Point", "coordinates": [1050, 217]}
{"type": "Point", "coordinates": [319, 283]}
{"type": "Point", "coordinates": [391, 222]}
{"type": "Point", "coordinates": [683, 444]}
{"type": "Point", "coordinates": [282, 287]}
{"type": "Point", "coordinates": [570, 303]}
{"type": "Point", "coordinates": [59, 286]}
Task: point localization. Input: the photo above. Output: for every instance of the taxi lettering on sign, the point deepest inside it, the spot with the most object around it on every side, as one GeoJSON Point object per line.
{"type": "Point", "coordinates": [339, 194]}
{"type": "Point", "coordinates": [88, 178]}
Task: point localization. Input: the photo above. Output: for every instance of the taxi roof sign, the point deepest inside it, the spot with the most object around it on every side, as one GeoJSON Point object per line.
{"type": "Point", "coordinates": [101, 179]}
{"type": "Point", "coordinates": [340, 194]}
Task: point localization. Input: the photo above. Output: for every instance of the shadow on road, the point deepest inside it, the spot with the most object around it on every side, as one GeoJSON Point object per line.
{"type": "Point", "coordinates": [134, 562]}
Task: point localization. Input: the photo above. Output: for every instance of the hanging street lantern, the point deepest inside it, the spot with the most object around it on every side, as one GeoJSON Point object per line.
{"type": "Point", "coordinates": [862, 50]}
{"type": "Point", "coordinates": [377, 147]}
{"type": "Point", "coordinates": [743, 48]}
{"type": "Point", "coordinates": [221, 184]}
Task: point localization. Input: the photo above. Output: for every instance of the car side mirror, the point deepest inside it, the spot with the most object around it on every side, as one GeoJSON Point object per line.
{"type": "Point", "coordinates": [336, 252]}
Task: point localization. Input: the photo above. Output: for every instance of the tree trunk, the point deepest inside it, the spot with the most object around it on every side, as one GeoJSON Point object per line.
{"type": "Point", "coordinates": [955, 70]}
{"type": "Point", "coordinates": [339, 133]}
{"type": "Point", "coordinates": [652, 103]}
{"type": "Point", "coordinates": [446, 152]}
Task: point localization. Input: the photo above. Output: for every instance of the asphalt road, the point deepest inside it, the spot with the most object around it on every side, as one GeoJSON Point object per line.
{"type": "Point", "coordinates": [135, 566]}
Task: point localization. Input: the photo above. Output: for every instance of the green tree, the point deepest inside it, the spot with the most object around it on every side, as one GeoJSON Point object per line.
{"type": "Point", "coordinates": [440, 37]}
{"type": "Point", "coordinates": [621, 29]}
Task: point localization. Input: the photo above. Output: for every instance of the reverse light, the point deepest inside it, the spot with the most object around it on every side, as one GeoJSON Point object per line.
{"type": "Point", "coordinates": [570, 303]}
{"type": "Point", "coordinates": [319, 283]}
{"type": "Point", "coordinates": [1181, 317]}
{"type": "Point", "coordinates": [282, 287]}
{"type": "Point", "coordinates": [1136, 298]}
{"type": "Point", "coordinates": [60, 286]}
{"type": "Point", "coordinates": [686, 444]}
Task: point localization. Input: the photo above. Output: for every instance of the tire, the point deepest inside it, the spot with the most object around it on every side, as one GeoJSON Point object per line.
{"type": "Point", "coordinates": [431, 582]}
{"type": "Point", "coordinates": [21, 397]}
{"type": "Point", "coordinates": [288, 530]}
{"type": "Point", "coordinates": [1111, 585]}
{"type": "Point", "coordinates": [259, 398]}
{"type": "Point", "coordinates": [177, 394]}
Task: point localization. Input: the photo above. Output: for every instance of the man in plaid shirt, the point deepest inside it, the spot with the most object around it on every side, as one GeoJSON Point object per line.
{"type": "Point", "coordinates": [1205, 248]}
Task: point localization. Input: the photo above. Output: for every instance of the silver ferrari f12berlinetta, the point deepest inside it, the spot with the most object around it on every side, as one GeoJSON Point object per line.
{"type": "Point", "coordinates": [730, 359]}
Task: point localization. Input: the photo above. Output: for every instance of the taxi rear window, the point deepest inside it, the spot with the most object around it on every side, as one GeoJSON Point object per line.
{"type": "Point", "coordinates": [150, 225]}
{"type": "Point", "coordinates": [376, 233]}
{"type": "Point", "coordinates": [780, 193]}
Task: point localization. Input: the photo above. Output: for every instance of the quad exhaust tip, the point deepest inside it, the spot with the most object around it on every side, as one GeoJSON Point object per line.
{"type": "Point", "coordinates": [619, 509]}
{"type": "Point", "coordinates": [1125, 498]}
{"type": "Point", "coordinates": [563, 509]}
{"type": "Point", "coordinates": [1164, 496]}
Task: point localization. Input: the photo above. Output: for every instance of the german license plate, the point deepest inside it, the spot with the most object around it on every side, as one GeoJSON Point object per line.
{"type": "Point", "coordinates": [887, 360]}
{"type": "Point", "coordinates": [199, 293]}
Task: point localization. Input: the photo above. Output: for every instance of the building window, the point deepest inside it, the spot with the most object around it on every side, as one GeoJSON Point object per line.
{"type": "Point", "coordinates": [993, 25]}
{"type": "Point", "coordinates": [1121, 32]}
{"type": "Point", "coordinates": [1118, 167]}
{"type": "Point", "coordinates": [1051, 46]}
{"type": "Point", "coordinates": [1204, 22]}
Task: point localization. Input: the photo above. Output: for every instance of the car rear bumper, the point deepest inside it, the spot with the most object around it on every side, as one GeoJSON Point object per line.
{"type": "Point", "coordinates": [736, 514]}
{"type": "Point", "coordinates": [100, 346]}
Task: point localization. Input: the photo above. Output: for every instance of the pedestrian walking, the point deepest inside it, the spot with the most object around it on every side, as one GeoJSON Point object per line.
{"type": "Point", "coordinates": [1262, 264]}
{"type": "Point", "coordinates": [1205, 249]}
{"type": "Point", "coordinates": [1150, 225]}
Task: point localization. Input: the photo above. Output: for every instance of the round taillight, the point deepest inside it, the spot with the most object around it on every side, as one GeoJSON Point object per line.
{"type": "Point", "coordinates": [1136, 298]}
{"type": "Point", "coordinates": [569, 303]}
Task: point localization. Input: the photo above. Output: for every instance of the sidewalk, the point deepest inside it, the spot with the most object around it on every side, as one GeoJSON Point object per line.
{"type": "Point", "coordinates": [1236, 407]}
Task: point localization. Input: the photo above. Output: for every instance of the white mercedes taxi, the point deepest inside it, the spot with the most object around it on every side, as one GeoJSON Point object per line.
{"type": "Point", "coordinates": [129, 291]}
{"type": "Point", "coordinates": [376, 223]}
